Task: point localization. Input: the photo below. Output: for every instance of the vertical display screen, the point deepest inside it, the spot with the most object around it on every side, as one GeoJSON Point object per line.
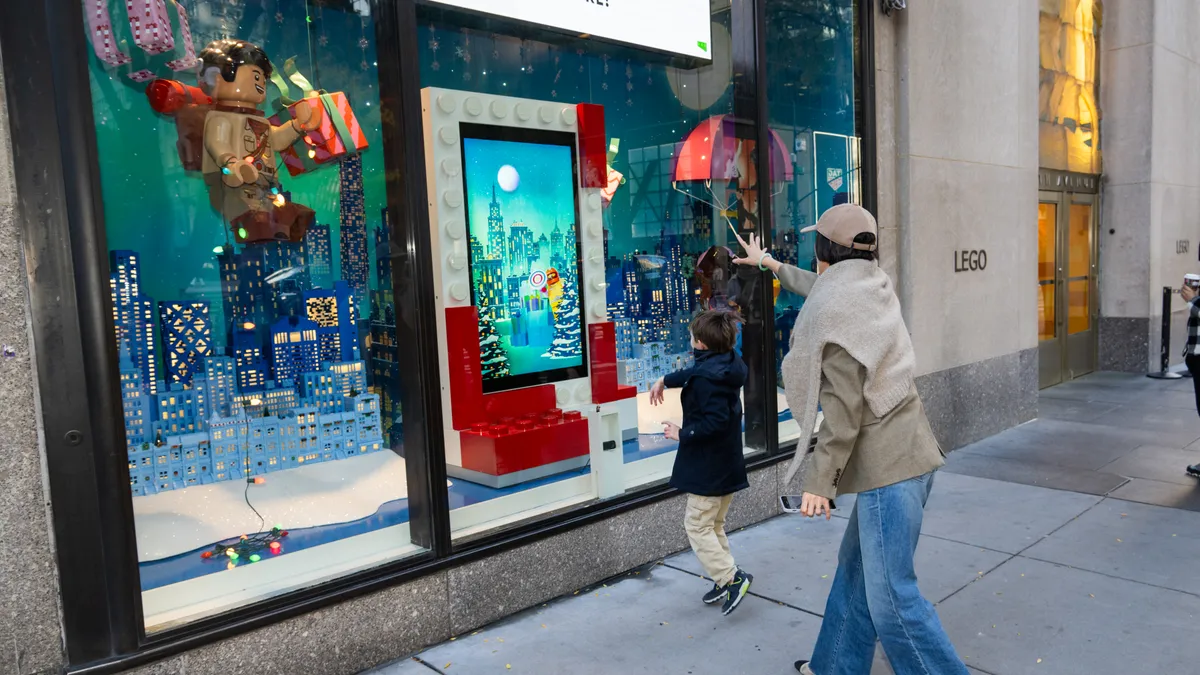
{"type": "Point", "coordinates": [522, 220]}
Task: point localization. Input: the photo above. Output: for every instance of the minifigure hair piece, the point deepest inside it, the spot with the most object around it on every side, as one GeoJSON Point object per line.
{"type": "Point", "coordinates": [226, 56]}
{"type": "Point", "coordinates": [716, 329]}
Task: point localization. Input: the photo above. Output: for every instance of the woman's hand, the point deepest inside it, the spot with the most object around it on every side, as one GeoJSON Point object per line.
{"type": "Point", "coordinates": [753, 248]}
{"type": "Point", "coordinates": [812, 505]}
{"type": "Point", "coordinates": [1188, 293]}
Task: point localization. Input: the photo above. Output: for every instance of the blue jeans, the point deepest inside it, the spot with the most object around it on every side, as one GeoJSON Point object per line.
{"type": "Point", "coordinates": [875, 593]}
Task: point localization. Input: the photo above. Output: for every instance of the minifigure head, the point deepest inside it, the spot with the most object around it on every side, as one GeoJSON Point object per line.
{"type": "Point", "coordinates": [552, 277]}
{"type": "Point", "coordinates": [235, 71]}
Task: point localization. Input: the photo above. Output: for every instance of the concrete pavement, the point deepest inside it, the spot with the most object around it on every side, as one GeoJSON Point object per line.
{"type": "Point", "coordinates": [1029, 577]}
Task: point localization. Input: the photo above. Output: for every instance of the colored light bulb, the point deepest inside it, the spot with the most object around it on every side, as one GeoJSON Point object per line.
{"type": "Point", "coordinates": [242, 232]}
{"type": "Point", "coordinates": [312, 154]}
{"type": "Point", "coordinates": [230, 552]}
{"type": "Point", "coordinates": [255, 558]}
{"type": "Point", "coordinates": [234, 556]}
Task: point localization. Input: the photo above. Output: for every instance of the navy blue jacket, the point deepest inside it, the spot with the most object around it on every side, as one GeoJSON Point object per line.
{"type": "Point", "coordinates": [710, 460]}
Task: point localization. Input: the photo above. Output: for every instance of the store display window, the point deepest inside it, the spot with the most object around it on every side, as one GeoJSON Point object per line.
{"type": "Point", "coordinates": [241, 167]}
{"type": "Point", "coordinates": [583, 209]}
{"type": "Point", "coordinates": [813, 111]}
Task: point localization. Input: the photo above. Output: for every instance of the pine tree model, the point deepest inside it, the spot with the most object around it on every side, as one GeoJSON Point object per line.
{"type": "Point", "coordinates": [566, 343]}
{"type": "Point", "coordinates": [492, 358]}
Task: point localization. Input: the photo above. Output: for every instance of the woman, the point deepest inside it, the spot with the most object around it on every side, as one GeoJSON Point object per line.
{"type": "Point", "coordinates": [850, 352]}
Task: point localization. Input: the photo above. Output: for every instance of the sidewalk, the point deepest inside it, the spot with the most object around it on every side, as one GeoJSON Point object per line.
{"type": "Point", "coordinates": [1055, 569]}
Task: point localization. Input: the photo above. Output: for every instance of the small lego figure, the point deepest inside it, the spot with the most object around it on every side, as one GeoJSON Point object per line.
{"type": "Point", "coordinates": [240, 145]}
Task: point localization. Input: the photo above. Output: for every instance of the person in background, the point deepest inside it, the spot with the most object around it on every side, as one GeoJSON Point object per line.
{"type": "Point", "coordinates": [1191, 351]}
{"type": "Point", "coordinates": [851, 353]}
{"type": "Point", "coordinates": [710, 466]}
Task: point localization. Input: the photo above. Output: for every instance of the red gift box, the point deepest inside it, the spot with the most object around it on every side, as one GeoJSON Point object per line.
{"type": "Point", "coordinates": [337, 136]}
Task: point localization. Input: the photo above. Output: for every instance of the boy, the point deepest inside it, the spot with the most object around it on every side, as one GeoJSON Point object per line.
{"type": "Point", "coordinates": [710, 466]}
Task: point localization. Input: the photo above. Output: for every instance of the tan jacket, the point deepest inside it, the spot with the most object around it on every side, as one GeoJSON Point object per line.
{"type": "Point", "coordinates": [856, 450]}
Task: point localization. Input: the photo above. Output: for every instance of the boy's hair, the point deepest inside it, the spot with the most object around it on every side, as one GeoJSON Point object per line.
{"type": "Point", "coordinates": [716, 329]}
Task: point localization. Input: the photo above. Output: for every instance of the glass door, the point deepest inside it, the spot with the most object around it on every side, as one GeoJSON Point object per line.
{"type": "Point", "coordinates": [1066, 286]}
{"type": "Point", "coordinates": [1050, 358]}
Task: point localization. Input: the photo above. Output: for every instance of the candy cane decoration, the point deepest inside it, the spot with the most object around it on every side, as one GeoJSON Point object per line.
{"type": "Point", "coordinates": [100, 27]}
{"type": "Point", "coordinates": [150, 25]}
{"type": "Point", "coordinates": [189, 60]}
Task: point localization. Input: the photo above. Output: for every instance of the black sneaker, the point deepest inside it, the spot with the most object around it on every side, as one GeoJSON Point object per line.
{"type": "Point", "coordinates": [737, 589]}
{"type": "Point", "coordinates": [715, 595]}
{"type": "Point", "coordinates": [1194, 470]}
{"type": "Point", "coordinates": [801, 669]}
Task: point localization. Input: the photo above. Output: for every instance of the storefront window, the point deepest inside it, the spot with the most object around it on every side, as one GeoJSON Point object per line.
{"type": "Point", "coordinates": [679, 176]}
{"type": "Point", "coordinates": [251, 291]}
{"type": "Point", "coordinates": [1068, 113]}
{"type": "Point", "coordinates": [812, 51]}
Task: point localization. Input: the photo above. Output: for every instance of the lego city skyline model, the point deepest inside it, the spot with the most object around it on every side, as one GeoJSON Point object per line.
{"type": "Point", "coordinates": [528, 354]}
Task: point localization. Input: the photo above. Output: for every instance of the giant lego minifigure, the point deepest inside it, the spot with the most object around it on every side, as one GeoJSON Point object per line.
{"type": "Point", "coordinates": [240, 145]}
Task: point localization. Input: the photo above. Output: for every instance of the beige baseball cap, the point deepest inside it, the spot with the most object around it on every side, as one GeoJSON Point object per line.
{"type": "Point", "coordinates": [842, 223]}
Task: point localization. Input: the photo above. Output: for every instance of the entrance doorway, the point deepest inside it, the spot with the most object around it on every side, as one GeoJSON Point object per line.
{"type": "Point", "coordinates": [1067, 261]}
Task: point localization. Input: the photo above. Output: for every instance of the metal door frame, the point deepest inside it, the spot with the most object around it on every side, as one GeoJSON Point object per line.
{"type": "Point", "coordinates": [1061, 351]}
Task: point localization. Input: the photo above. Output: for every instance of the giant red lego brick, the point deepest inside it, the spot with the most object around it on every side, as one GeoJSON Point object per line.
{"type": "Point", "coordinates": [602, 351]}
{"type": "Point", "coordinates": [593, 146]}
{"type": "Point", "coordinates": [534, 441]}
{"type": "Point", "coordinates": [466, 375]}
{"type": "Point", "coordinates": [518, 402]}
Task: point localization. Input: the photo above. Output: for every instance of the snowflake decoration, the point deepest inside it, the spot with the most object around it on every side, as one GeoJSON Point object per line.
{"type": "Point", "coordinates": [278, 17]}
{"type": "Point", "coordinates": [553, 93]}
{"type": "Point", "coordinates": [466, 57]}
{"type": "Point", "coordinates": [435, 66]}
{"type": "Point", "coordinates": [604, 86]}
{"type": "Point", "coordinates": [364, 65]}
{"type": "Point", "coordinates": [529, 69]}
{"type": "Point", "coordinates": [628, 86]}
{"type": "Point", "coordinates": [323, 41]}
{"type": "Point", "coordinates": [458, 51]}
{"type": "Point", "coordinates": [363, 43]}
{"type": "Point", "coordinates": [629, 102]}
{"type": "Point", "coordinates": [466, 76]}
{"type": "Point", "coordinates": [434, 45]}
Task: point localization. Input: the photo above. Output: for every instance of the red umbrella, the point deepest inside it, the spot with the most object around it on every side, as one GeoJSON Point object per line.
{"type": "Point", "coordinates": [713, 152]}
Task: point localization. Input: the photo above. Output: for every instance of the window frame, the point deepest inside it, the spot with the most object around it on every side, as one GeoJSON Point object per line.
{"type": "Point", "coordinates": [61, 215]}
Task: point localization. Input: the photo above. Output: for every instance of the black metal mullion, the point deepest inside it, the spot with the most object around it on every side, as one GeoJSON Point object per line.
{"type": "Point", "coordinates": [412, 275]}
{"type": "Point", "coordinates": [766, 230]}
{"type": "Point", "coordinates": [55, 159]}
{"type": "Point", "coordinates": [868, 152]}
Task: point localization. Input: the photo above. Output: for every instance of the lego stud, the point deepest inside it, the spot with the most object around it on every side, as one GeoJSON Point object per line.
{"type": "Point", "coordinates": [453, 198]}
{"type": "Point", "coordinates": [599, 284]}
{"type": "Point", "coordinates": [583, 393]}
{"type": "Point", "coordinates": [547, 114]}
{"type": "Point", "coordinates": [473, 106]}
{"type": "Point", "coordinates": [595, 258]}
{"type": "Point", "coordinates": [458, 291]}
{"type": "Point", "coordinates": [452, 167]}
{"type": "Point", "coordinates": [447, 102]}
{"type": "Point", "coordinates": [596, 229]}
{"type": "Point", "coordinates": [524, 111]}
{"type": "Point", "coordinates": [562, 395]}
{"type": "Point", "coordinates": [457, 261]}
{"type": "Point", "coordinates": [598, 310]}
{"type": "Point", "coordinates": [569, 117]}
{"type": "Point", "coordinates": [449, 134]}
{"type": "Point", "coordinates": [455, 229]}
{"type": "Point", "coordinates": [499, 110]}
{"type": "Point", "coordinates": [593, 201]}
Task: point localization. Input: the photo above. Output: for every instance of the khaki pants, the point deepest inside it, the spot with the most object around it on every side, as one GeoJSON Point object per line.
{"type": "Point", "coordinates": [705, 527]}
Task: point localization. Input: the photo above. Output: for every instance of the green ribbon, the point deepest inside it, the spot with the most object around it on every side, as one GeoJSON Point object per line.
{"type": "Point", "coordinates": [338, 123]}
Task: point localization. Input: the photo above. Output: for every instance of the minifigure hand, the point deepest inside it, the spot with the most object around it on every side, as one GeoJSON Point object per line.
{"type": "Point", "coordinates": [305, 118]}
{"type": "Point", "coordinates": [671, 431]}
{"type": "Point", "coordinates": [656, 391]}
{"type": "Point", "coordinates": [238, 173]}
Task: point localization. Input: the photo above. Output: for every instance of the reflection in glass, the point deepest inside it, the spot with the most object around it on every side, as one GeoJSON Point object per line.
{"type": "Point", "coordinates": [681, 172]}
{"type": "Point", "coordinates": [1068, 114]}
{"type": "Point", "coordinates": [1047, 269]}
{"type": "Point", "coordinates": [251, 294]}
{"type": "Point", "coordinates": [811, 57]}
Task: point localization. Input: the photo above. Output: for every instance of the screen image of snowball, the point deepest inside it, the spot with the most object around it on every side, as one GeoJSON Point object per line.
{"type": "Point", "coordinates": [522, 220]}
